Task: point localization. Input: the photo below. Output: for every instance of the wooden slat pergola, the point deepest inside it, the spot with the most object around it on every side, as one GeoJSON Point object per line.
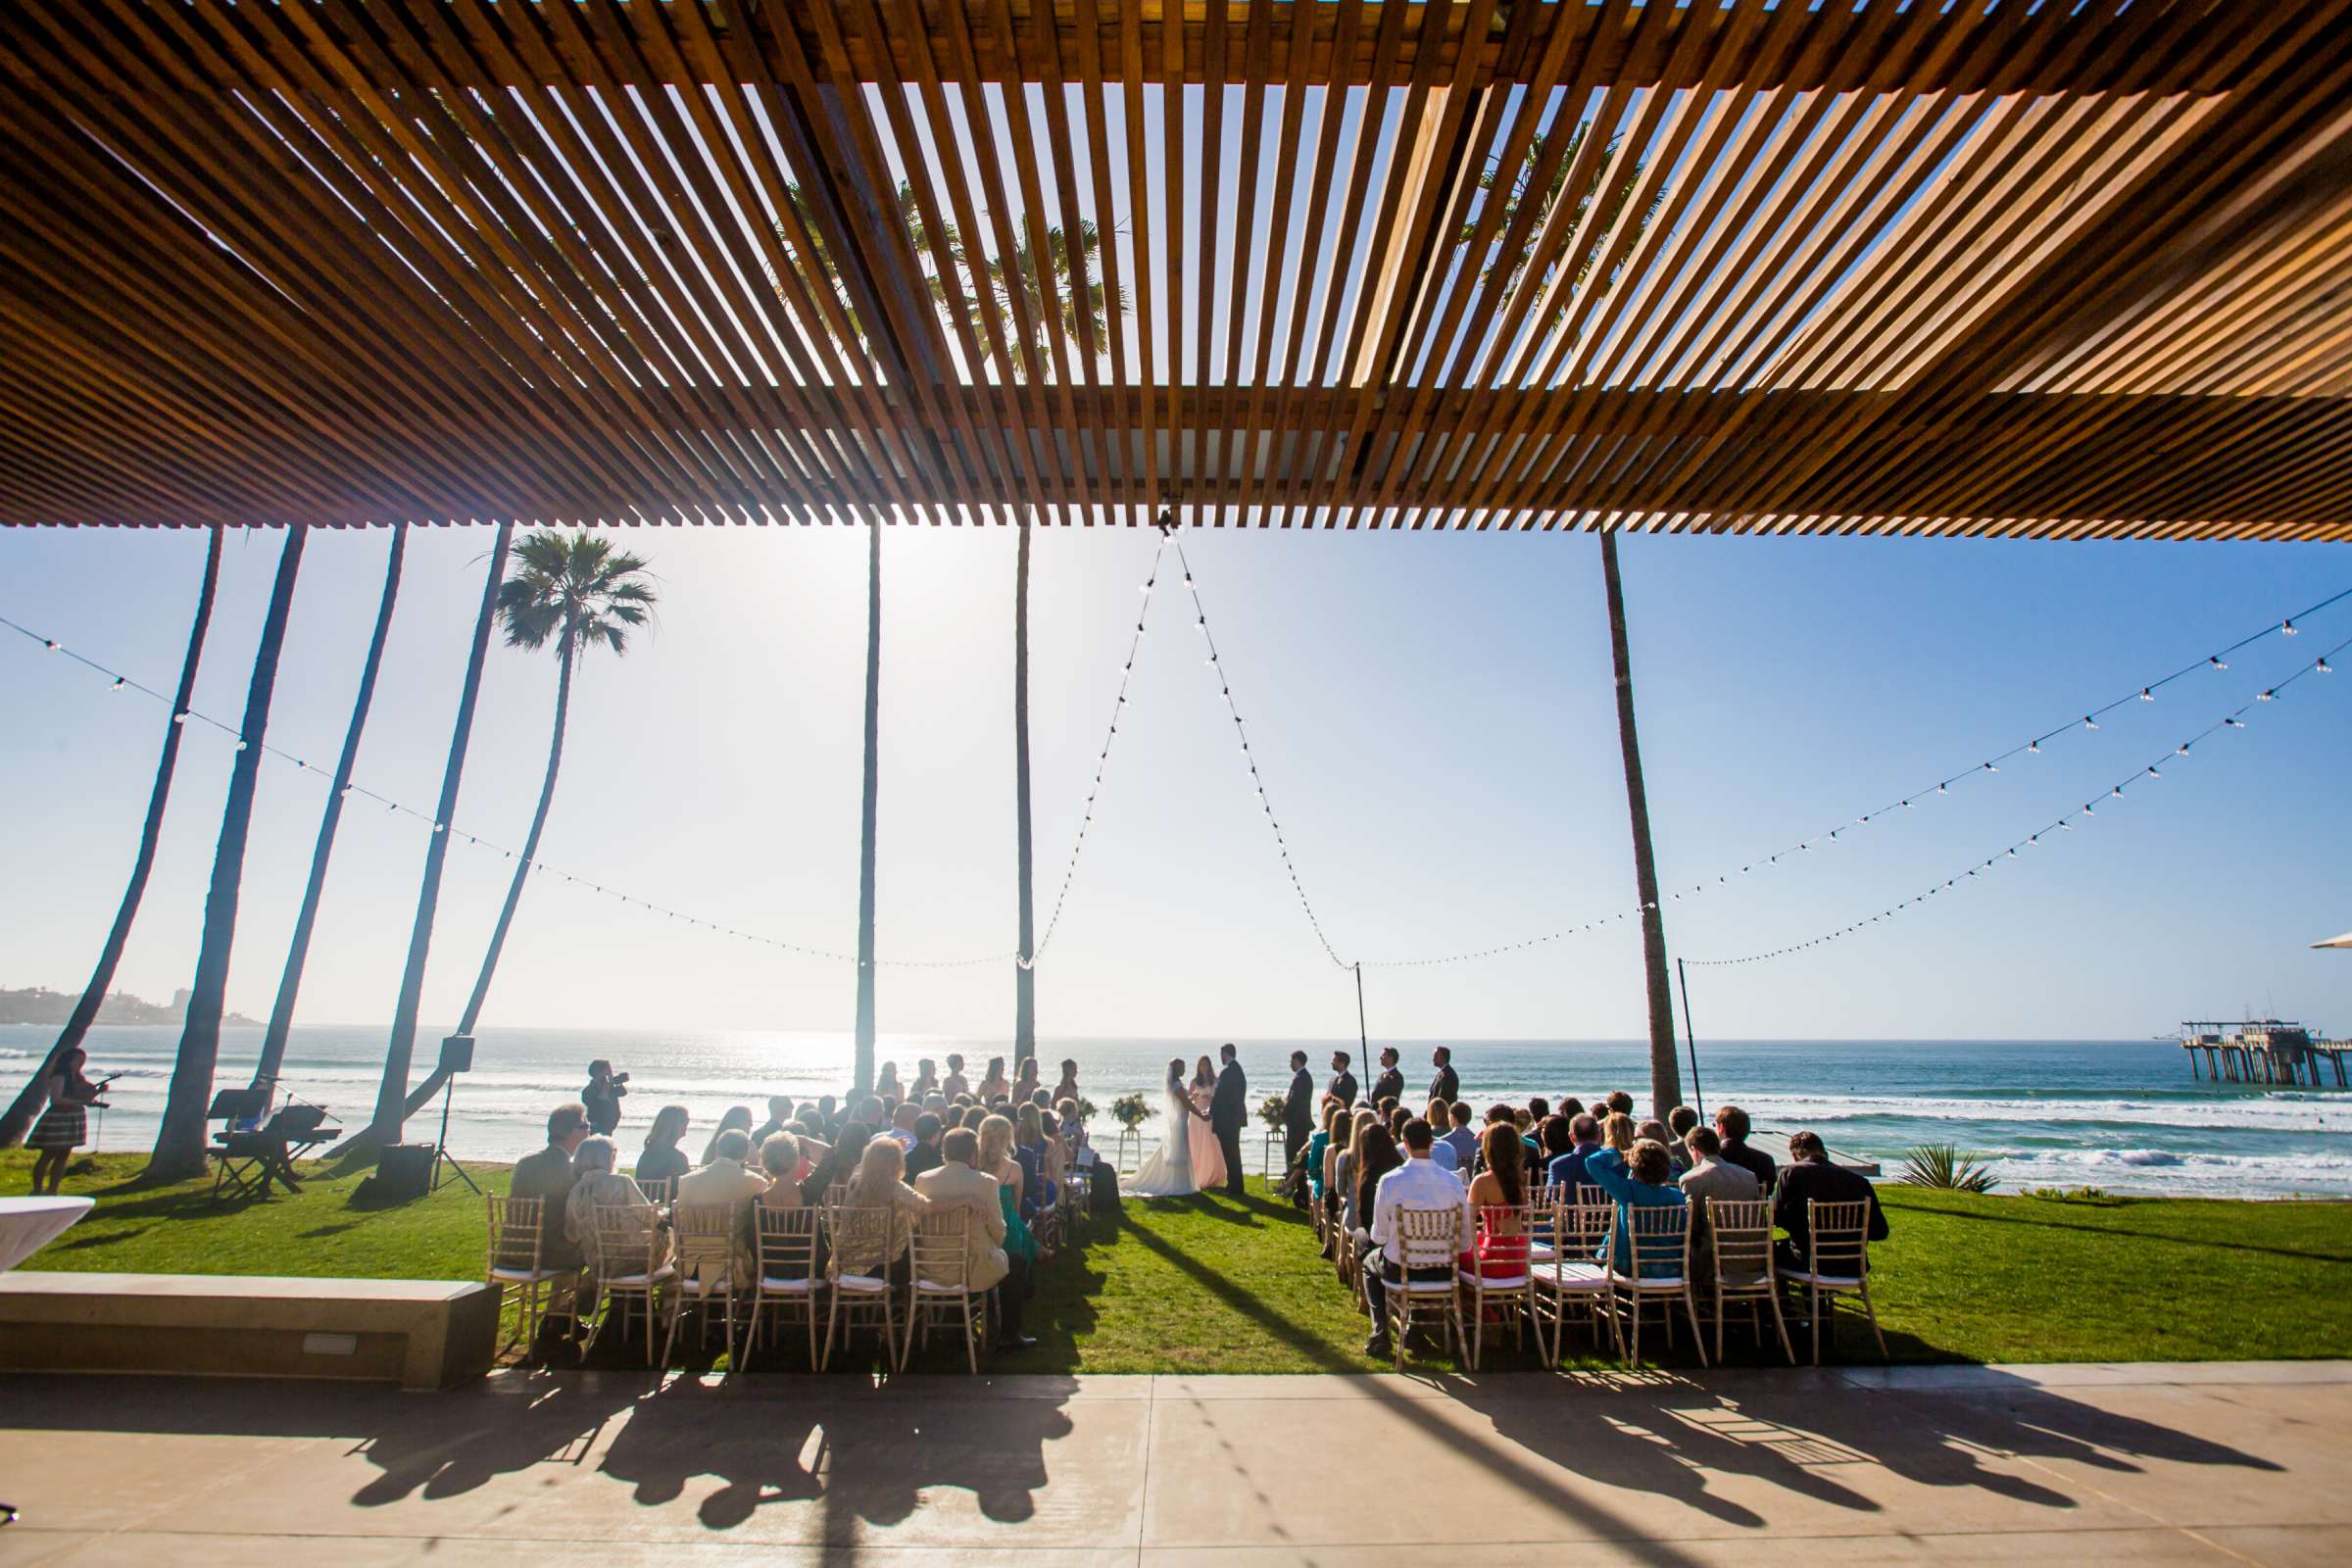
{"type": "Point", "coordinates": [1989, 268]}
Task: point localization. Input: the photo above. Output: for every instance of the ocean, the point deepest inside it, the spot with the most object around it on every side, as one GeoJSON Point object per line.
{"type": "Point", "coordinates": [2122, 1115]}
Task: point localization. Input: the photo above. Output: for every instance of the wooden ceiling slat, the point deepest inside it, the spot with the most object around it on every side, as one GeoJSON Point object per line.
{"type": "Point", "coordinates": [1984, 269]}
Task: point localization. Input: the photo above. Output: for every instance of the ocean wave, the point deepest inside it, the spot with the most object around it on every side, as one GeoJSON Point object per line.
{"type": "Point", "coordinates": [2285, 1112]}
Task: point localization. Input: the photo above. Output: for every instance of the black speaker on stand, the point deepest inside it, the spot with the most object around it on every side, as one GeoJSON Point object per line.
{"type": "Point", "coordinates": [456, 1057]}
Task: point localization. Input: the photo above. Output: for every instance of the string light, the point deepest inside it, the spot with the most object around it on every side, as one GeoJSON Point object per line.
{"type": "Point", "coordinates": [2065, 823]}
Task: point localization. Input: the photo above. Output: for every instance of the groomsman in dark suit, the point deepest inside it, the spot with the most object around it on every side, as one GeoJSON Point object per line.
{"type": "Point", "coordinates": [1297, 1120]}
{"type": "Point", "coordinates": [1446, 1085]}
{"type": "Point", "coordinates": [1343, 1082]}
{"type": "Point", "coordinates": [1228, 1114]}
{"type": "Point", "coordinates": [1390, 1085]}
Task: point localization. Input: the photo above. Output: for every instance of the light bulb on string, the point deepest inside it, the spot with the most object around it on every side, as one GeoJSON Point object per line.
{"type": "Point", "coordinates": [2266, 696]}
{"type": "Point", "coordinates": [2147, 694]}
{"type": "Point", "coordinates": [2324, 667]}
{"type": "Point", "coordinates": [2216, 662]}
{"type": "Point", "coordinates": [2089, 722]}
{"type": "Point", "coordinates": [2034, 747]}
{"type": "Point", "coordinates": [118, 684]}
{"type": "Point", "coordinates": [2286, 628]}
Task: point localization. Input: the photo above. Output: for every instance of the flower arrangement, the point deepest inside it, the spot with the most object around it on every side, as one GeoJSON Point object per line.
{"type": "Point", "coordinates": [1087, 1110]}
{"type": "Point", "coordinates": [1128, 1111]}
{"type": "Point", "coordinates": [1269, 1111]}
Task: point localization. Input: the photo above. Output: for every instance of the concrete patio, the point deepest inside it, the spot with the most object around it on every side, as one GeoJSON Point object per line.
{"type": "Point", "coordinates": [2058, 1464]}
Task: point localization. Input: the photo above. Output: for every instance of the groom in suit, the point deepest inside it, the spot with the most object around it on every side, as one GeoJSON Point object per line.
{"type": "Point", "coordinates": [1228, 1113]}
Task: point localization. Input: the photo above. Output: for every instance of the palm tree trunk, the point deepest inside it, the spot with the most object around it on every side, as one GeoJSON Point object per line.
{"type": "Point", "coordinates": [181, 1142]}
{"type": "Point", "coordinates": [530, 844]}
{"type": "Point", "coordinates": [1665, 1072]}
{"type": "Point", "coordinates": [861, 1071]}
{"type": "Point", "coordinates": [1024, 978]}
{"type": "Point", "coordinates": [298, 950]}
{"type": "Point", "coordinates": [17, 1121]}
{"type": "Point", "coordinates": [392, 1098]}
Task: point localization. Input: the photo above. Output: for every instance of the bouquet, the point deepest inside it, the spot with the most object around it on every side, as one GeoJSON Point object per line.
{"type": "Point", "coordinates": [1269, 1111]}
{"type": "Point", "coordinates": [1128, 1111]}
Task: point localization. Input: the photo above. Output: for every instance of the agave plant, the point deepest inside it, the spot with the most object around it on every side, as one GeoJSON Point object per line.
{"type": "Point", "coordinates": [1942, 1166]}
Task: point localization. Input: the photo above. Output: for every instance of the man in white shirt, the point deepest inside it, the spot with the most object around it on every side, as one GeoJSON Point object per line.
{"type": "Point", "coordinates": [1419, 1182]}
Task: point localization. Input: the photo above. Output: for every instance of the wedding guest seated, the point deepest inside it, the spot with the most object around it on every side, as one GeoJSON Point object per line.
{"type": "Point", "coordinates": [724, 1183]}
{"type": "Point", "coordinates": [1655, 1131]}
{"type": "Point", "coordinates": [1644, 1179]}
{"type": "Point", "coordinates": [1537, 1107]}
{"type": "Point", "coordinates": [1318, 1146]}
{"type": "Point", "coordinates": [1567, 1170]}
{"type": "Point", "coordinates": [958, 1182]}
{"type": "Point", "coordinates": [780, 1161]}
{"type": "Point", "coordinates": [1455, 1131]}
{"type": "Point", "coordinates": [548, 1176]}
{"type": "Point", "coordinates": [599, 1186]}
{"type": "Point", "coordinates": [1621, 1103]}
{"type": "Point", "coordinates": [996, 1158]}
{"type": "Point", "coordinates": [662, 1159]}
{"type": "Point", "coordinates": [901, 1126]}
{"type": "Point", "coordinates": [1029, 1150]}
{"type": "Point", "coordinates": [1442, 1152]}
{"type": "Point", "coordinates": [1570, 1107]}
{"type": "Point", "coordinates": [1811, 1178]}
{"type": "Point", "coordinates": [1501, 1248]}
{"type": "Point", "coordinates": [973, 1116]}
{"type": "Point", "coordinates": [738, 1119]}
{"type": "Point", "coordinates": [1375, 1155]}
{"type": "Point", "coordinates": [936, 1104]}
{"type": "Point", "coordinates": [1418, 1182]}
{"type": "Point", "coordinates": [1710, 1177]}
{"type": "Point", "coordinates": [1678, 1122]}
{"type": "Point", "coordinates": [1617, 1131]}
{"type": "Point", "coordinates": [1730, 1125]}
{"type": "Point", "coordinates": [1073, 1126]}
{"type": "Point", "coordinates": [1556, 1137]}
{"type": "Point", "coordinates": [878, 1183]}
{"type": "Point", "coordinates": [836, 1165]}
{"type": "Point", "coordinates": [779, 1112]}
{"type": "Point", "coordinates": [925, 1156]}
{"type": "Point", "coordinates": [1396, 1120]}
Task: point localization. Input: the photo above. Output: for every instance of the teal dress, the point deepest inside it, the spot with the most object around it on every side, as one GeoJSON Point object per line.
{"type": "Point", "coordinates": [1019, 1241]}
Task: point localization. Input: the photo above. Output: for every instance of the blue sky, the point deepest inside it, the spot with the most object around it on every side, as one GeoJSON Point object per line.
{"type": "Point", "coordinates": [1431, 714]}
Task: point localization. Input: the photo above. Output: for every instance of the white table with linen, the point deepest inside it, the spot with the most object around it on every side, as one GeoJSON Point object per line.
{"type": "Point", "coordinates": [28, 1224]}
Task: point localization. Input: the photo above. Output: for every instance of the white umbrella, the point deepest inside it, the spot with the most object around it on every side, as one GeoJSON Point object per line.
{"type": "Point", "coordinates": [2344, 940]}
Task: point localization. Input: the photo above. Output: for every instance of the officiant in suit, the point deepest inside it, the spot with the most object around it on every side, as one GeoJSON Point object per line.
{"type": "Point", "coordinates": [1228, 1114]}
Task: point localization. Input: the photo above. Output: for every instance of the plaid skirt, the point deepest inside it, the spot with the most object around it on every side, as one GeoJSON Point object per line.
{"type": "Point", "coordinates": [60, 1127]}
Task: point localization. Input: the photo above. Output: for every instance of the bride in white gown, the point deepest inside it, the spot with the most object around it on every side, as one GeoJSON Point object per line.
{"type": "Point", "coordinates": [1168, 1171]}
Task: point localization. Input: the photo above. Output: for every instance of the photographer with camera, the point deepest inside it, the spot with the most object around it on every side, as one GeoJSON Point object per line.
{"type": "Point", "coordinates": [602, 1096]}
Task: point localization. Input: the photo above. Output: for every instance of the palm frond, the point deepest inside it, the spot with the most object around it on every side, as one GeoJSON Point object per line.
{"type": "Point", "coordinates": [574, 590]}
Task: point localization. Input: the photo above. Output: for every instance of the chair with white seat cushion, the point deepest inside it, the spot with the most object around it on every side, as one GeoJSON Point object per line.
{"type": "Point", "coordinates": [1837, 1263]}
{"type": "Point", "coordinates": [1575, 1283]}
{"type": "Point", "coordinates": [864, 1244]}
{"type": "Point", "coordinates": [1511, 1292]}
{"type": "Point", "coordinates": [1742, 1232]}
{"type": "Point", "coordinates": [1427, 1238]}
{"type": "Point", "coordinates": [705, 1236]}
{"type": "Point", "coordinates": [787, 1282]}
{"type": "Point", "coordinates": [515, 1269]}
{"type": "Point", "coordinates": [633, 1268]}
{"type": "Point", "coordinates": [941, 1265]}
{"type": "Point", "coordinates": [1655, 1239]}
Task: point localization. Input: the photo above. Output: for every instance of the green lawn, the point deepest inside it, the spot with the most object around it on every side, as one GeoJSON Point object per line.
{"type": "Point", "coordinates": [1212, 1286]}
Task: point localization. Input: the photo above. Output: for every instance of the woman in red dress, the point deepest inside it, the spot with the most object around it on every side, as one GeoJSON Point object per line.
{"type": "Point", "coordinates": [1498, 1194]}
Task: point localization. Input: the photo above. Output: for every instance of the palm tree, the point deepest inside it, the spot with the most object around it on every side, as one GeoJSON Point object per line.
{"type": "Point", "coordinates": [1081, 325]}
{"type": "Point", "coordinates": [1665, 1072]}
{"type": "Point", "coordinates": [17, 1121]}
{"type": "Point", "coordinates": [394, 1099]}
{"type": "Point", "coordinates": [1520, 190]}
{"type": "Point", "coordinates": [281, 1015]}
{"type": "Point", "coordinates": [861, 1071]}
{"type": "Point", "coordinates": [180, 1143]}
{"type": "Point", "coordinates": [578, 592]}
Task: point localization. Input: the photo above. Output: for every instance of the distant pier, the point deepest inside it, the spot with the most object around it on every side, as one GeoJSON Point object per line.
{"type": "Point", "coordinates": [2264, 1051]}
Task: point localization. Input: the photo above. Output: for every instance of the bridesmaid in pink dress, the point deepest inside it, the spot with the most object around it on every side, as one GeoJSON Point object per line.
{"type": "Point", "coordinates": [1208, 1157]}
